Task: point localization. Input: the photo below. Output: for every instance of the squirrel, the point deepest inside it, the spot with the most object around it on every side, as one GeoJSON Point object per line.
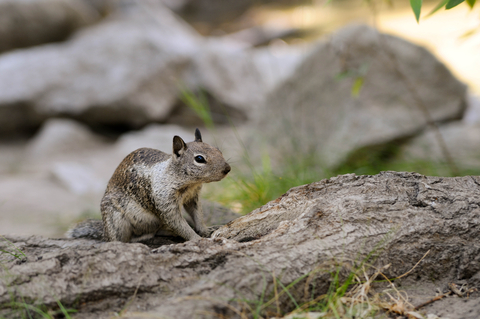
{"type": "Point", "coordinates": [147, 191]}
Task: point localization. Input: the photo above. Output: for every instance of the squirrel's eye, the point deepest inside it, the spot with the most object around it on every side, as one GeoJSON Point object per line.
{"type": "Point", "coordinates": [200, 159]}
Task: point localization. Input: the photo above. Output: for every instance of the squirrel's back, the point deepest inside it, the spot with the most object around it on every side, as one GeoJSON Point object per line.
{"type": "Point", "coordinates": [133, 175]}
{"type": "Point", "coordinates": [135, 165]}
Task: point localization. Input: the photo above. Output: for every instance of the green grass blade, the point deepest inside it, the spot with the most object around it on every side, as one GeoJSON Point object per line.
{"type": "Point", "coordinates": [198, 103]}
{"type": "Point", "coordinates": [26, 308]}
{"type": "Point", "coordinates": [417, 8]}
{"type": "Point", "coordinates": [14, 247]}
{"type": "Point", "coordinates": [65, 312]}
{"type": "Point", "coordinates": [453, 3]}
{"type": "Point", "coordinates": [10, 253]}
{"type": "Point", "coordinates": [357, 86]}
{"type": "Point", "coordinates": [469, 33]}
{"type": "Point", "coordinates": [289, 295]}
{"type": "Point", "coordinates": [32, 308]}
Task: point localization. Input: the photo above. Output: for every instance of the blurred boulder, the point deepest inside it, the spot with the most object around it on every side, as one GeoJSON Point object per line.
{"type": "Point", "coordinates": [153, 136]}
{"type": "Point", "coordinates": [103, 7]}
{"type": "Point", "coordinates": [242, 77]}
{"type": "Point", "coordinates": [131, 69]}
{"type": "Point", "coordinates": [357, 89]}
{"type": "Point", "coordinates": [220, 113]}
{"type": "Point", "coordinates": [217, 214]}
{"type": "Point", "coordinates": [210, 13]}
{"type": "Point", "coordinates": [259, 35]}
{"type": "Point", "coordinates": [123, 71]}
{"type": "Point", "coordinates": [462, 141]}
{"type": "Point", "coordinates": [175, 5]}
{"type": "Point", "coordinates": [77, 178]}
{"type": "Point", "coordinates": [34, 22]}
{"type": "Point", "coordinates": [61, 136]}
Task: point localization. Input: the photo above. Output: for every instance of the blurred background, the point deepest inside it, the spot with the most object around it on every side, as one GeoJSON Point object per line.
{"type": "Point", "coordinates": [291, 91]}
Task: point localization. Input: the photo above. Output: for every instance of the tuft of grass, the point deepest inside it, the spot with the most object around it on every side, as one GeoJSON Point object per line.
{"type": "Point", "coordinates": [12, 250]}
{"type": "Point", "coordinates": [25, 310]}
{"type": "Point", "coordinates": [350, 296]}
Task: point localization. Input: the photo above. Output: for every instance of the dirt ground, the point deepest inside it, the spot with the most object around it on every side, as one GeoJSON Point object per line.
{"type": "Point", "coordinates": [451, 306]}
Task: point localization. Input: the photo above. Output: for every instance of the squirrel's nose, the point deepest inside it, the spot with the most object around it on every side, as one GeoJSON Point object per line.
{"type": "Point", "coordinates": [227, 169]}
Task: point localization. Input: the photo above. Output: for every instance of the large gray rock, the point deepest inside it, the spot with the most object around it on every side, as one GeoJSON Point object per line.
{"type": "Point", "coordinates": [310, 231]}
{"type": "Point", "coordinates": [124, 71]}
{"type": "Point", "coordinates": [33, 22]}
{"type": "Point", "coordinates": [319, 110]}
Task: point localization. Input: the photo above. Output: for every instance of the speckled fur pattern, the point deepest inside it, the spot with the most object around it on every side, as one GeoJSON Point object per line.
{"type": "Point", "coordinates": [148, 189]}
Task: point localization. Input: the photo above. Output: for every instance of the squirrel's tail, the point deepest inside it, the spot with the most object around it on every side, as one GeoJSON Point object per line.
{"type": "Point", "coordinates": [89, 229]}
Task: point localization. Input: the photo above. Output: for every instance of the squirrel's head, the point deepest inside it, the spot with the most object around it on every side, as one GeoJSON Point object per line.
{"type": "Point", "coordinates": [198, 161]}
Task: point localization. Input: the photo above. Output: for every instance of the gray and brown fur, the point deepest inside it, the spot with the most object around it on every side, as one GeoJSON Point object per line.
{"type": "Point", "coordinates": [148, 189]}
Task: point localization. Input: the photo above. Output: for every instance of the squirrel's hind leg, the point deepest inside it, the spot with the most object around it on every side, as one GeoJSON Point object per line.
{"type": "Point", "coordinates": [116, 226]}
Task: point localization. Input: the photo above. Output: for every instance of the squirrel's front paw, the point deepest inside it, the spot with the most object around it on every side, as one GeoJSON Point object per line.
{"type": "Point", "coordinates": [207, 232]}
{"type": "Point", "coordinates": [214, 228]}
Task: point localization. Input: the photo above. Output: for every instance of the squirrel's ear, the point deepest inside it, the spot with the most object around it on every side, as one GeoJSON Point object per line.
{"type": "Point", "coordinates": [179, 146]}
{"type": "Point", "coordinates": [198, 135]}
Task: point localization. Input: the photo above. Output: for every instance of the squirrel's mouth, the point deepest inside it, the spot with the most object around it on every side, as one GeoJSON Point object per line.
{"type": "Point", "coordinates": [217, 178]}
{"type": "Point", "coordinates": [220, 174]}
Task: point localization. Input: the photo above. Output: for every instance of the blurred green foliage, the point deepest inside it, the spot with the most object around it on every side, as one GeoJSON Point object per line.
{"type": "Point", "coordinates": [447, 4]}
